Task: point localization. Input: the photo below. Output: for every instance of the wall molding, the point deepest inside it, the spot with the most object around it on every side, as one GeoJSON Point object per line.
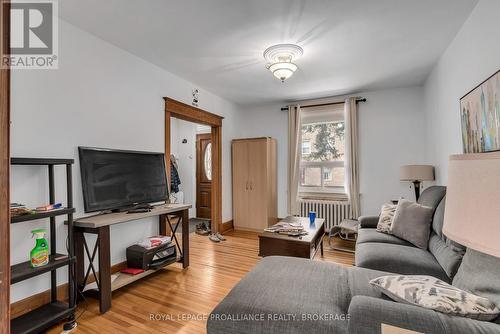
{"type": "Point", "coordinates": [226, 227]}
{"type": "Point", "coordinates": [30, 303]}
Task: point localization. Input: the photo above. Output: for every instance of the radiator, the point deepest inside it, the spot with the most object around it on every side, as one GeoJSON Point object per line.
{"type": "Point", "coordinates": [333, 212]}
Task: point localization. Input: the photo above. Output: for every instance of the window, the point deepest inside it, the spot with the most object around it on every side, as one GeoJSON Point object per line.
{"type": "Point", "coordinates": [306, 147]}
{"type": "Point", "coordinates": [327, 174]}
{"type": "Point", "coordinates": [207, 161]}
{"type": "Point", "coordinates": [322, 161]}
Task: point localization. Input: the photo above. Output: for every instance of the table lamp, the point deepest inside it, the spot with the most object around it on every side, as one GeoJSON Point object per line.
{"type": "Point", "coordinates": [472, 210]}
{"type": "Point", "coordinates": [416, 174]}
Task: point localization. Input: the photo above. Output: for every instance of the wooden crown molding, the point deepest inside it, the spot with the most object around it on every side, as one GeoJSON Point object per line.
{"type": "Point", "coordinates": [192, 114]}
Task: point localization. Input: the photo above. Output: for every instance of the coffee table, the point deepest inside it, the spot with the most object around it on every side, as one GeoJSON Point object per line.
{"type": "Point", "coordinates": [304, 246]}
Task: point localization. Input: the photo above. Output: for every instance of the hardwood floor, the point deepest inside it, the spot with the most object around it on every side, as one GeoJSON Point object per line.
{"type": "Point", "coordinates": [177, 301]}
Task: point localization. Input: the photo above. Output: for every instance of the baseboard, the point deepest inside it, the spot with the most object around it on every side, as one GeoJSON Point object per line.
{"type": "Point", "coordinates": [30, 303]}
{"type": "Point", "coordinates": [226, 227]}
{"type": "Point", "coordinates": [248, 229]}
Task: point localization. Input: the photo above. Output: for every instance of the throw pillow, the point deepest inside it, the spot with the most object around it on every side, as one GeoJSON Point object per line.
{"type": "Point", "coordinates": [479, 274]}
{"type": "Point", "coordinates": [412, 223]}
{"type": "Point", "coordinates": [432, 293]}
{"type": "Point", "coordinates": [386, 217]}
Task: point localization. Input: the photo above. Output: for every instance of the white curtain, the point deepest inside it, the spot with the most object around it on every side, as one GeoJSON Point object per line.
{"type": "Point", "coordinates": [351, 155]}
{"type": "Point", "coordinates": [294, 155]}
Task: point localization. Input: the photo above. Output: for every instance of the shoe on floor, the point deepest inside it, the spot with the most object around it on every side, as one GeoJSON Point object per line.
{"type": "Point", "coordinates": [202, 232]}
{"type": "Point", "coordinates": [202, 229]}
{"type": "Point", "coordinates": [213, 237]}
{"type": "Point", "coordinates": [220, 236]}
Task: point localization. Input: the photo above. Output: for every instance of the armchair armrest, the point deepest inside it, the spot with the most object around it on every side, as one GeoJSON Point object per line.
{"type": "Point", "coordinates": [367, 314]}
{"type": "Point", "coordinates": [368, 221]}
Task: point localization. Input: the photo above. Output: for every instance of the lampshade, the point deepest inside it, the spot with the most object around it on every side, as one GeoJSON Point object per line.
{"type": "Point", "coordinates": [416, 173]}
{"type": "Point", "coordinates": [472, 210]}
{"type": "Point", "coordinates": [283, 70]}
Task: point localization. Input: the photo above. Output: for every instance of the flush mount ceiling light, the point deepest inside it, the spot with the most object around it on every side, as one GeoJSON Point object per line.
{"type": "Point", "coordinates": [280, 59]}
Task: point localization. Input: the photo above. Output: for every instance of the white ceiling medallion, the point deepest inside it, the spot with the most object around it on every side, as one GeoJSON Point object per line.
{"type": "Point", "coordinates": [280, 59]}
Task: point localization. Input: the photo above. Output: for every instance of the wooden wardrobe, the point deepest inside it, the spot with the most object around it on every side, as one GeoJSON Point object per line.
{"type": "Point", "coordinates": [254, 183]}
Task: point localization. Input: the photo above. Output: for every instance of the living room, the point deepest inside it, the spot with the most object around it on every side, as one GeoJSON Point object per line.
{"type": "Point", "coordinates": [335, 112]}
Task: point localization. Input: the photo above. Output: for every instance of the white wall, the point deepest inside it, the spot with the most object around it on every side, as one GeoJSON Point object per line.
{"type": "Point", "coordinates": [186, 159]}
{"type": "Point", "coordinates": [472, 57]}
{"type": "Point", "coordinates": [390, 134]}
{"type": "Point", "coordinates": [100, 96]}
{"type": "Point", "coordinates": [391, 126]}
{"type": "Point", "coordinates": [269, 121]}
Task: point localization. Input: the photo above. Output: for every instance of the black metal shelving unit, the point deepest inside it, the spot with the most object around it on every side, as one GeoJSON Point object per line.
{"type": "Point", "coordinates": [49, 314]}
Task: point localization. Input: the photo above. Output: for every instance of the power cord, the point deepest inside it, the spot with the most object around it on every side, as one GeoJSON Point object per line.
{"type": "Point", "coordinates": [72, 324]}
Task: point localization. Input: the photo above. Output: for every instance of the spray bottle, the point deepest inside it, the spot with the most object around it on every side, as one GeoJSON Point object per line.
{"type": "Point", "coordinates": [39, 256]}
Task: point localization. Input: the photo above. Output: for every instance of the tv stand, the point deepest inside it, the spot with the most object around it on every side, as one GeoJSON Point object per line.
{"type": "Point", "coordinates": [99, 225]}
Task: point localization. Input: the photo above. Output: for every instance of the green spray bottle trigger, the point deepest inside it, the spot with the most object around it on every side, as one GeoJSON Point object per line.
{"type": "Point", "coordinates": [39, 256]}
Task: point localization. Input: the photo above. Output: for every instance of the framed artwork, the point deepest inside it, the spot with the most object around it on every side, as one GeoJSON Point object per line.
{"type": "Point", "coordinates": [480, 116]}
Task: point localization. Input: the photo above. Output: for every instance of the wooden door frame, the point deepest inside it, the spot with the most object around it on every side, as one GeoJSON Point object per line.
{"type": "Point", "coordinates": [5, 174]}
{"type": "Point", "coordinates": [176, 109]}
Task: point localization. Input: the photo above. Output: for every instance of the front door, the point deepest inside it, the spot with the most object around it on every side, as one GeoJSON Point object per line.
{"type": "Point", "coordinates": [203, 175]}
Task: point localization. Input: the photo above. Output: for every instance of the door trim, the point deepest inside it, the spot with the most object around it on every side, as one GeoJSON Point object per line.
{"type": "Point", "coordinates": [5, 174]}
{"type": "Point", "coordinates": [176, 109]}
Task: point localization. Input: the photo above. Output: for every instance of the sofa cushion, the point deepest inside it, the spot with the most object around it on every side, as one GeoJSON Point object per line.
{"type": "Point", "coordinates": [386, 217]}
{"type": "Point", "coordinates": [398, 259]}
{"type": "Point", "coordinates": [448, 253]}
{"type": "Point", "coordinates": [372, 235]}
{"type": "Point", "coordinates": [281, 288]}
{"type": "Point", "coordinates": [412, 223]}
{"type": "Point", "coordinates": [479, 274]}
{"type": "Point", "coordinates": [432, 196]}
{"type": "Point", "coordinates": [359, 282]}
{"type": "Point", "coordinates": [438, 219]}
{"type": "Point", "coordinates": [434, 294]}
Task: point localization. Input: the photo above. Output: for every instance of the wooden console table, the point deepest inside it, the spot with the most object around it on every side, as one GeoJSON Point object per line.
{"type": "Point", "coordinates": [99, 225]}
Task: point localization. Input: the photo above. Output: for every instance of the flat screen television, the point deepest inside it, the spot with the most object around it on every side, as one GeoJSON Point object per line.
{"type": "Point", "coordinates": [118, 179]}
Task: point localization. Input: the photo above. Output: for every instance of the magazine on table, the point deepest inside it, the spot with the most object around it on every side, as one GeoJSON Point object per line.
{"type": "Point", "coordinates": [289, 226]}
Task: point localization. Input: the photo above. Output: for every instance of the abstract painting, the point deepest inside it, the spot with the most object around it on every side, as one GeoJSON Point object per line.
{"type": "Point", "coordinates": [480, 116]}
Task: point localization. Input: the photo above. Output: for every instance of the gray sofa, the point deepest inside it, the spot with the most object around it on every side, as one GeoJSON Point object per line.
{"type": "Point", "coordinates": [381, 251]}
{"type": "Point", "coordinates": [292, 295]}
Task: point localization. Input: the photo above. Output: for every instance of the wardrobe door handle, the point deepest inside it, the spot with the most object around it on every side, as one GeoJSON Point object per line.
{"type": "Point", "coordinates": [251, 185]}
{"type": "Point", "coordinates": [247, 185]}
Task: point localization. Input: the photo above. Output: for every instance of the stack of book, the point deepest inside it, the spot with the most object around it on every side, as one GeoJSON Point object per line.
{"type": "Point", "coordinates": [287, 227]}
{"type": "Point", "coordinates": [18, 209]}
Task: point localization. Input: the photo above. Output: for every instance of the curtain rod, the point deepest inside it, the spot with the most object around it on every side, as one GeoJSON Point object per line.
{"type": "Point", "coordinates": [325, 104]}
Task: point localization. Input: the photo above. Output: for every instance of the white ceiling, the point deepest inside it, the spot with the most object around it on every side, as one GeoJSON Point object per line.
{"type": "Point", "coordinates": [349, 45]}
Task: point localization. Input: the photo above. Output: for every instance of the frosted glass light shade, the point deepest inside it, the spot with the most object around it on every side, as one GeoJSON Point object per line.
{"type": "Point", "coordinates": [472, 210]}
{"type": "Point", "coordinates": [283, 70]}
{"type": "Point", "coordinates": [280, 59]}
{"type": "Point", "coordinates": [416, 173]}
